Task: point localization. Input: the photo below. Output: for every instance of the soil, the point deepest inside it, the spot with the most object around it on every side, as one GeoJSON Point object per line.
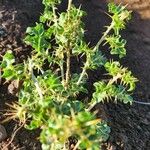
{"type": "Point", "coordinates": [130, 125]}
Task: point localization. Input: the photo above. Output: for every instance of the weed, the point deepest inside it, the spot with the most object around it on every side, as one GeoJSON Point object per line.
{"type": "Point", "coordinates": [48, 97]}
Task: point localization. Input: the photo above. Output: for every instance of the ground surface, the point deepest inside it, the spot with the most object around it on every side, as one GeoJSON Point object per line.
{"type": "Point", "coordinates": [130, 124]}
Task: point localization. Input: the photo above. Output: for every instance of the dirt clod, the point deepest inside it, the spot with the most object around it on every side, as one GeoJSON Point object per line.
{"type": "Point", "coordinates": [3, 133]}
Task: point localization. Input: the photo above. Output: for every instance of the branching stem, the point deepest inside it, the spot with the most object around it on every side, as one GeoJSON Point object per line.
{"type": "Point", "coordinates": [68, 67]}
{"type": "Point", "coordinates": [96, 47]}
{"type": "Point", "coordinates": [62, 72]}
{"type": "Point", "coordinates": [68, 53]}
{"type": "Point", "coordinates": [104, 36]}
{"type": "Point", "coordinates": [82, 73]}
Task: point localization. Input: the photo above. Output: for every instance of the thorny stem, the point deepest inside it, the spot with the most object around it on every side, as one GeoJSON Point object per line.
{"type": "Point", "coordinates": [104, 36]}
{"type": "Point", "coordinates": [68, 67]}
{"type": "Point", "coordinates": [83, 73]}
{"type": "Point", "coordinates": [114, 79]}
{"type": "Point", "coordinates": [109, 83]}
{"type": "Point", "coordinates": [91, 106]}
{"type": "Point", "coordinates": [95, 49]}
{"type": "Point", "coordinates": [35, 81]}
{"type": "Point", "coordinates": [69, 4]}
{"type": "Point", "coordinates": [76, 146]}
{"type": "Point", "coordinates": [62, 61]}
{"type": "Point", "coordinates": [37, 86]}
{"type": "Point", "coordinates": [68, 52]}
{"type": "Point", "coordinates": [54, 13]}
{"type": "Point", "coordinates": [62, 72]}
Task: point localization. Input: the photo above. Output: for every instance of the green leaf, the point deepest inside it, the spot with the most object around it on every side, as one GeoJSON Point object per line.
{"type": "Point", "coordinates": [112, 8]}
{"type": "Point", "coordinates": [84, 117]}
{"type": "Point", "coordinates": [117, 45]}
{"type": "Point", "coordinates": [108, 91]}
{"type": "Point", "coordinates": [103, 131]}
{"type": "Point", "coordinates": [116, 70]}
{"type": "Point", "coordinates": [96, 60]}
{"type": "Point", "coordinates": [37, 38]}
{"type": "Point", "coordinates": [47, 15]}
{"type": "Point", "coordinates": [34, 124]}
{"type": "Point", "coordinates": [9, 73]}
{"type": "Point", "coordinates": [8, 59]}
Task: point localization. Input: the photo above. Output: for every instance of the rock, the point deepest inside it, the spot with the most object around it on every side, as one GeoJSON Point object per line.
{"type": "Point", "coordinates": [146, 40]}
{"type": "Point", "coordinates": [13, 87]}
{"type": "Point", "coordinates": [145, 121]}
{"type": "Point", "coordinates": [9, 46]}
{"type": "Point", "coordinates": [2, 32]}
{"type": "Point", "coordinates": [3, 133]}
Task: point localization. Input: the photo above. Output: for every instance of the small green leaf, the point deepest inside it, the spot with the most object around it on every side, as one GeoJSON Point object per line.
{"type": "Point", "coordinates": [34, 124]}
{"type": "Point", "coordinates": [8, 59]}
{"type": "Point", "coordinates": [8, 74]}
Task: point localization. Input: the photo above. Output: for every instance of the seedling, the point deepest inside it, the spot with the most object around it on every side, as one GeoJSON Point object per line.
{"type": "Point", "coordinates": [48, 96]}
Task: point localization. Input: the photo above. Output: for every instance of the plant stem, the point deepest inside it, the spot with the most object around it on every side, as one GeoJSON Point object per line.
{"type": "Point", "coordinates": [62, 71]}
{"type": "Point", "coordinates": [83, 73]}
{"type": "Point", "coordinates": [104, 36]}
{"type": "Point", "coordinates": [76, 146]}
{"type": "Point", "coordinates": [54, 13]}
{"type": "Point", "coordinates": [91, 106]}
{"type": "Point", "coordinates": [37, 86]}
{"type": "Point", "coordinates": [95, 48]}
{"type": "Point", "coordinates": [68, 51]}
{"type": "Point", "coordinates": [69, 4]}
{"type": "Point", "coordinates": [68, 67]}
{"type": "Point", "coordinates": [35, 81]}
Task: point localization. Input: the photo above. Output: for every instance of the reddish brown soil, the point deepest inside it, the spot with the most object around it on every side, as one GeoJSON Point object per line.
{"type": "Point", "coordinates": [130, 125]}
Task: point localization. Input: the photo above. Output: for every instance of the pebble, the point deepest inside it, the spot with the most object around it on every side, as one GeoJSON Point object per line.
{"type": "Point", "coordinates": [2, 32]}
{"type": "Point", "coordinates": [9, 46]}
{"type": "Point", "coordinates": [14, 87]}
{"type": "Point", "coordinates": [145, 121]}
{"type": "Point", "coordinates": [3, 133]}
{"type": "Point", "coordinates": [146, 40]}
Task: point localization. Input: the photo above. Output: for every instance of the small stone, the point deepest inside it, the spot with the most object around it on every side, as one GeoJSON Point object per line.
{"type": "Point", "coordinates": [1, 16]}
{"type": "Point", "coordinates": [3, 43]}
{"type": "Point", "coordinates": [9, 46]}
{"type": "Point", "coordinates": [2, 32]}
{"type": "Point", "coordinates": [112, 147]}
{"type": "Point", "coordinates": [146, 40]}
{"type": "Point", "coordinates": [13, 87]}
{"type": "Point", "coordinates": [145, 121]}
{"type": "Point", "coordinates": [3, 133]}
{"type": "Point", "coordinates": [139, 128]}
